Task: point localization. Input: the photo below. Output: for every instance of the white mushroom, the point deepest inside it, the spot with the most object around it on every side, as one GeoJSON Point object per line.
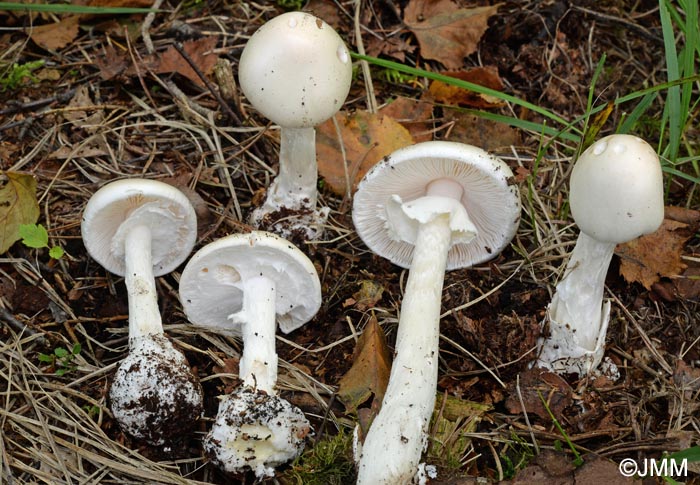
{"type": "Point", "coordinates": [428, 207]}
{"type": "Point", "coordinates": [241, 285]}
{"type": "Point", "coordinates": [616, 195]}
{"type": "Point", "coordinates": [296, 71]}
{"type": "Point", "coordinates": [141, 229]}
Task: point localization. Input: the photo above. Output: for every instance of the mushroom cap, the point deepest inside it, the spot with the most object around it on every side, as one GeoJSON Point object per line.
{"type": "Point", "coordinates": [123, 204]}
{"type": "Point", "coordinates": [212, 283]}
{"type": "Point", "coordinates": [490, 198]}
{"type": "Point", "coordinates": [616, 189]}
{"type": "Point", "coordinates": [296, 70]}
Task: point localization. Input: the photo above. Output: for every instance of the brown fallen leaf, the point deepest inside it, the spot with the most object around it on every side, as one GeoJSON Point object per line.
{"type": "Point", "coordinates": [369, 374]}
{"type": "Point", "coordinates": [414, 114]}
{"type": "Point", "coordinates": [366, 137]}
{"type": "Point", "coordinates": [18, 205]}
{"type": "Point", "coordinates": [56, 35]}
{"type": "Point", "coordinates": [200, 51]}
{"type": "Point", "coordinates": [536, 385]}
{"type": "Point", "coordinates": [649, 258]}
{"type": "Point", "coordinates": [475, 130]}
{"type": "Point", "coordinates": [455, 96]}
{"type": "Point", "coordinates": [445, 32]}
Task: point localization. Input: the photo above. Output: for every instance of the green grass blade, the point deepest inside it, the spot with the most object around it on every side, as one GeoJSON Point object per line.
{"type": "Point", "coordinates": [73, 9]}
{"type": "Point", "coordinates": [461, 84]}
{"type": "Point", "coordinates": [672, 110]}
{"type": "Point", "coordinates": [632, 119]}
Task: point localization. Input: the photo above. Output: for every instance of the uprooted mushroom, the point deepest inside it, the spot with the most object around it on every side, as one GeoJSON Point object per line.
{"type": "Point", "coordinates": [244, 285]}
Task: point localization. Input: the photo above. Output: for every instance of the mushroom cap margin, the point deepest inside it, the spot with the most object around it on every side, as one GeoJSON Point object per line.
{"type": "Point", "coordinates": [490, 197]}
{"type": "Point", "coordinates": [211, 286]}
{"type": "Point", "coordinates": [171, 218]}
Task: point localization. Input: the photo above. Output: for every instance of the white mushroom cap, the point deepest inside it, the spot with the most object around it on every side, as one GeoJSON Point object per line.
{"type": "Point", "coordinates": [211, 286]}
{"type": "Point", "coordinates": [489, 196]}
{"type": "Point", "coordinates": [121, 205]}
{"type": "Point", "coordinates": [616, 189]}
{"type": "Point", "coordinates": [296, 70]}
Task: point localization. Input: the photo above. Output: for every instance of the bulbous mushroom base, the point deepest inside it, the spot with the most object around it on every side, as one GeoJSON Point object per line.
{"type": "Point", "coordinates": [154, 396]}
{"type": "Point", "coordinates": [296, 224]}
{"type": "Point", "coordinates": [562, 352]}
{"type": "Point", "coordinates": [256, 431]}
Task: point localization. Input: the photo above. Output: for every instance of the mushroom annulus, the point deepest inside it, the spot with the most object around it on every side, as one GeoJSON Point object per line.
{"type": "Point", "coordinates": [295, 70]}
{"type": "Point", "coordinates": [140, 229]}
{"type": "Point", "coordinates": [616, 195]}
{"type": "Point", "coordinates": [429, 207]}
{"type": "Point", "coordinates": [244, 285]}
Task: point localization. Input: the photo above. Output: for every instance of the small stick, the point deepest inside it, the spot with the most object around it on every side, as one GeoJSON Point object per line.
{"type": "Point", "coordinates": [210, 86]}
{"type": "Point", "coordinates": [11, 321]}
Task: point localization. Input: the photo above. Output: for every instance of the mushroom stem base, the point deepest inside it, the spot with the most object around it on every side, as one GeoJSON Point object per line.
{"type": "Point", "coordinates": [291, 198]}
{"type": "Point", "coordinates": [578, 319]}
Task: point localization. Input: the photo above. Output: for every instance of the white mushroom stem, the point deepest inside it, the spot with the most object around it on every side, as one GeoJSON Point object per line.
{"type": "Point", "coordinates": [398, 435]}
{"type": "Point", "coordinates": [295, 185]}
{"type": "Point", "coordinates": [144, 316]}
{"type": "Point", "coordinates": [578, 321]}
{"type": "Point", "coordinates": [258, 365]}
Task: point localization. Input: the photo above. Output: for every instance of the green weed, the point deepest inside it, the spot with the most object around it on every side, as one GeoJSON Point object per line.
{"type": "Point", "coordinates": [578, 461]}
{"type": "Point", "coordinates": [36, 236]}
{"type": "Point", "coordinates": [18, 74]}
{"type": "Point", "coordinates": [328, 462]}
{"type": "Point", "coordinates": [61, 359]}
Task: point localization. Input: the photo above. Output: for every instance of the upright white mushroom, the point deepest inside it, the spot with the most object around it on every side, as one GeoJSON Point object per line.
{"type": "Point", "coordinates": [141, 229]}
{"type": "Point", "coordinates": [428, 207]}
{"type": "Point", "coordinates": [616, 195]}
{"type": "Point", "coordinates": [296, 71]}
{"type": "Point", "coordinates": [242, 285]}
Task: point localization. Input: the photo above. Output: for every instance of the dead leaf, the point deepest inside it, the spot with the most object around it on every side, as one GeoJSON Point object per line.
{"type": "Point", "coordinates": [455, 96]}
{"type": "Point", "coordinates": [83, 113]}
{"type": "Point", "coordinates": [535, 385]}
{"type": "Point", "coordinates": [366, 137]}
{"type": "Point", "coordinates": [453, 420]}
{"type": "Point", "coordinates": [648, 258]}
{"type": "Point", "coordinates": [369, 374]}
{"type": "Point", "coordinates": [112, 63]}
{"type": "Point", "coordinates": [474, 130]}
{"type": "Point", "coordinates": [395, 47]}
{"type": "Point", "coordinates": [18, 205]}
{"type": "Point", "coordinates": [368, 295]}
{"type": "Point", "coordinates": [200, 51]}
{"type": "Point", "coordinates": [445, 32]}
{"type": "Point", "coordinates": [56, 35]}
{"type": "Point", "coordinates": [414, 114]}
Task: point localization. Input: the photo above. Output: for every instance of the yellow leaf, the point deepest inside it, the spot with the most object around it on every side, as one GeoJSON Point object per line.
{"type": "Point", "coordinates": [18, 205]}
{"type": "Point", "coordinates": [366, 139]}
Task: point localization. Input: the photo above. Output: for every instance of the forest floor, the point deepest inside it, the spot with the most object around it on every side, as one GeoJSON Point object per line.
{"type": "Point", "coordinates": [98, 100]}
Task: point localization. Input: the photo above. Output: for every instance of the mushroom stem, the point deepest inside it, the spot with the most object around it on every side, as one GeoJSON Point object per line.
{"type": "Point", "coordinates": [144, 316]}
{"type": "Point", "coordinates": [403, 420]}
{"type": "Point", "coordinates": [258, 366]}
{"type": "Point", "coordinates": [577, 321]}
{"type": "Point", "coordinates": [295, 185]}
